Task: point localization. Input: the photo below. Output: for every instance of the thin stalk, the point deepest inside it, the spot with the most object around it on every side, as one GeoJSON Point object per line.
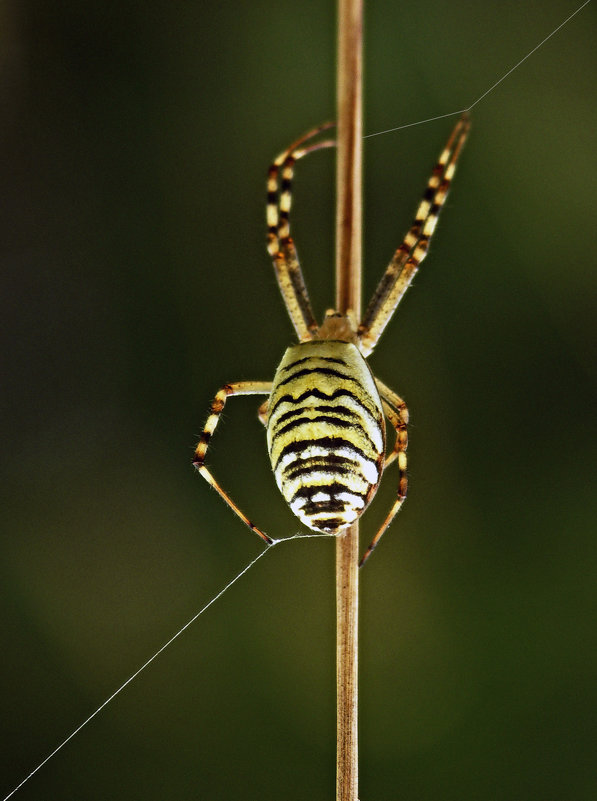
{"type": "Point", "coordinates": [348, 297]}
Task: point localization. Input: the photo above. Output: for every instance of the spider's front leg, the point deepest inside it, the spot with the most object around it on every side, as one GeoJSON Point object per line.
{"type": "Point", "coordinates": [217, 407]}
{"type": "Point", "coordinates": [397, 413]}
{"type": "Point", "coordinates": [280, 244]}
{"type": "Point", "coordinates": [407, 259]}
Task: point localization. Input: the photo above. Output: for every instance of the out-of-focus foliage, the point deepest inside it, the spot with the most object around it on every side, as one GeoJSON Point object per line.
{"type": "Point", "coordinates": [133, 148]}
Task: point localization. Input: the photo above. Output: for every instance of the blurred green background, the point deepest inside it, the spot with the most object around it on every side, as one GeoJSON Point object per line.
{"type": "Point", "coordinates": [135, 139]}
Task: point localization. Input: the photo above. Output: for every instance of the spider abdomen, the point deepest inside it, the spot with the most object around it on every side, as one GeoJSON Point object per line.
{"type": "Point", "coordinates": [326, 433]}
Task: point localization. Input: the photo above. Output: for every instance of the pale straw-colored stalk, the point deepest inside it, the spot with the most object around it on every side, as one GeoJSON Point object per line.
{"type": "Point", "coordinates": [348, 296]}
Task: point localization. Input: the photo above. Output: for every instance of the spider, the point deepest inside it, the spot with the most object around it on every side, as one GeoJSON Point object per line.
{"type": "Point", "coordinates": [325, 411]}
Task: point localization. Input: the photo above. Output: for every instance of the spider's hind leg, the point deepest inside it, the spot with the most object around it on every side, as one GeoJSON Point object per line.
{"type": "Point", "coordinates": [217, 407]}
{"type": "Point", "coordinates": [397, 413]}
{"type": "Point", "coordinates": [263, 411]}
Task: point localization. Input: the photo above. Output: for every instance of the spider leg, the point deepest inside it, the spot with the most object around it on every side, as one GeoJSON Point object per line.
{"type": "Point", "coordinates": [397, 413]}
{"type": "Point", "coordinates": [262, 412]}
{"type": "Point", "coordinates": [217, 407]}
{"type": "Point", "coordinates": [279, 242]}
{"type": "Point", "coordinates": [407, 258]}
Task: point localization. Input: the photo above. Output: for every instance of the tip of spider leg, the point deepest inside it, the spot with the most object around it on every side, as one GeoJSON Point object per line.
{"type": "Point", "coordinates": [262, 534]}
{"type": "Point", "coordinates": [365, 556]}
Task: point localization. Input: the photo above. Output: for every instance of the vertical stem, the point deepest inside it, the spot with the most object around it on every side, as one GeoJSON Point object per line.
{"type": "Point", "coordinates": [347, 634]}
{"type": "Point", "coordinates": [350, 160]}
{"type": "Point", "coordinates": [348, 296]}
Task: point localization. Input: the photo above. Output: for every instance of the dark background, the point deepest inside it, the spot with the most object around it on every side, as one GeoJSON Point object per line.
{"type": "Point", "coordinates": [135, 139]}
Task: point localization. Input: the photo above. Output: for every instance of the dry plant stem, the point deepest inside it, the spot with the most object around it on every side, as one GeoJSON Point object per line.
{"type": "Point", "coordinates": [350, 160]}
{"type": "Point", "coordinates": [348, 296]}
{"type": "Point", "coordinates": [347, 608]}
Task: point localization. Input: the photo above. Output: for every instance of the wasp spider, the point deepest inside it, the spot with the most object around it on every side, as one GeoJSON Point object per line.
{"type": "Point", "coordinates": [325, 411]}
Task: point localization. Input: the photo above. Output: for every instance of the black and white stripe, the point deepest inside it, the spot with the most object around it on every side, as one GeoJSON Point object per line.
{"type": "Point", "coordinates": [326, 435]}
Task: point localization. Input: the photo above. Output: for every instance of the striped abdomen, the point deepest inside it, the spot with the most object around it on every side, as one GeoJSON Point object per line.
{"type": "Point", "coordinates": [325, 433]}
